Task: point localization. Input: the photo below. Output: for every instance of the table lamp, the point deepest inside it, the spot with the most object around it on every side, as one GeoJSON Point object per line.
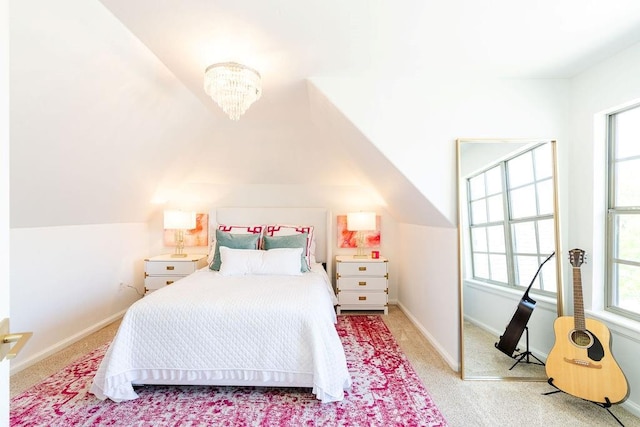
{"type": "Point", "coordinates": [179, 221]}
{"type": "Point", "coordinates": [360, 222]}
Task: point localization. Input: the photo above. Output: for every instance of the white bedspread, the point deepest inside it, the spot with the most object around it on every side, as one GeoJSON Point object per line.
{"type": "Point", "coordinates": [241, 330]}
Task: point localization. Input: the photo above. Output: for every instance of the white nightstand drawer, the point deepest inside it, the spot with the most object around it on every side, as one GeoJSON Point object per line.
{"type": "Point", "coordinates": [362, 283]}
{"type": "Point", "coordinates": [163, 270]}
{"type": "Point", "coordinates": [157, 282]}
{"type": "Point", "coordinates": [363, 298]}
{"type": "Point", "coordinates": [362, 268]}
{"type": "Point", "coordinates": [170, 268]}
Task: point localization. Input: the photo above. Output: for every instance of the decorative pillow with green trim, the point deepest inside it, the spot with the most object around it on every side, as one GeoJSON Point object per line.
{"type": "Point", "coordinates": [233, 241]}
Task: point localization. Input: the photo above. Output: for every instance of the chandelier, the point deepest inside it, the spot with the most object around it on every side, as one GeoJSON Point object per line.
{"type": "Point", "coordinates": [233, 87]}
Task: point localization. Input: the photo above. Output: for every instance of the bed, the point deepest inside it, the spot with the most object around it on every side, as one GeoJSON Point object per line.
{"type": "Point", "coordinates": [253, 322]}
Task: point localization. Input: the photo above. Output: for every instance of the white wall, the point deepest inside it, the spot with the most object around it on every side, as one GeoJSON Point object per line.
{"type": "Point", "coordinates": [607, 86]}
{"type": "Point", "coordinates": [98, 123]}
{"type": "Point", "coordinates": [428, 285]}
{"type": "Point", "coordinates": [414, 123]}
{"type": "Point", "coordinates": [65, 282]}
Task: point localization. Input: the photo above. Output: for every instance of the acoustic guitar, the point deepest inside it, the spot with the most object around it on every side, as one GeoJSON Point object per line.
{"type": "Point", "coordinates": [580, 362]}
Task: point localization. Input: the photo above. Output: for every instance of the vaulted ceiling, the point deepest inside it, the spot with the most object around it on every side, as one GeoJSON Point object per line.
{"type": "Point", "coordinates": [107, 105]}
{"type": "Point", "coordinates": [290, 41]}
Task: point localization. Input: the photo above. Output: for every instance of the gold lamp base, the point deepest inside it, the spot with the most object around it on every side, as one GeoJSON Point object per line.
{"type": "Point", "coordinates": [360, 253]}
{"type": "Point", "coordinates": [179, 253]}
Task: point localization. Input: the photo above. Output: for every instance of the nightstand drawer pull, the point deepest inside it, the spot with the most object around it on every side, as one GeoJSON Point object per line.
{"type": "Point", "coordinates": [170, 267]}
{"type": "Point", "coordinates": [362, 283]}
{"type": "Point", "coordinates": [362, 298]}
{"type": "Point", "coordinates": [169, 282]}
{"type": "Point", "coordinates": [362, 268]}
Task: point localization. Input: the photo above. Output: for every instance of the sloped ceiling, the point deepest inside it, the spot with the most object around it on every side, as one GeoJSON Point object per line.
{"type": "Point", "coordinates": [108, 114]}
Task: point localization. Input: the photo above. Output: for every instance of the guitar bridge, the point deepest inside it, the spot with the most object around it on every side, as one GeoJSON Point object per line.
{"type": "Point", "coordinates": [585, 363]}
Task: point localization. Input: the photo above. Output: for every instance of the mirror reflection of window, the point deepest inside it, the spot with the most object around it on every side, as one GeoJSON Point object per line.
{"type": "Point", "coordinates": [511, 229]}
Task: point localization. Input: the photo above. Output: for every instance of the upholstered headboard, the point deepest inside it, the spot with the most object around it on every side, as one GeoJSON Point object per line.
{"type": "Point", "coordinates": [320, 218]}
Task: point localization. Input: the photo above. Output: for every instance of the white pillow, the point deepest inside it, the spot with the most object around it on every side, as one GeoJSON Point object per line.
{"type": "Point", "coordinates": [280, 261]}
{"type": "Point", "coordinates": [274, 230]}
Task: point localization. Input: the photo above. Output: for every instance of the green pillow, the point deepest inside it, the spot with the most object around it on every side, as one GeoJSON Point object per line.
{"type": "Point", "coordinates": [298, 240]}
{"type": "Point", "coordinates": [233, 241]}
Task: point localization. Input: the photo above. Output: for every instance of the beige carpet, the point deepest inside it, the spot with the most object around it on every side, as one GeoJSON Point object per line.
{"type": "Point", "coordinates": [482, 358]}
{"type": "Point", "coordinates": [463, 403]}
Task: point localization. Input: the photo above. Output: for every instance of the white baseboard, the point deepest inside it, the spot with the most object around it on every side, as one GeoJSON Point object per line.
{"type": "Point", "coordinates": [632, 407]}
{"type": "Point", "coordinates": [452, 362]}
{"type": "Point", "coordinates": [23, 364]}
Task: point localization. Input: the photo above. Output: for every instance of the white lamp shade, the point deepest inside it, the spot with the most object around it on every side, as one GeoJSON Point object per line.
{"type": "Point", "coordinates": [361, 221]}
{"type": "Point", "coordinates": [179, 220]}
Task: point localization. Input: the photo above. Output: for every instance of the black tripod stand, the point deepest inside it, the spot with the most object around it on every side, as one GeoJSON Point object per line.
{"type": "Point", "coordinates": [525, 357]}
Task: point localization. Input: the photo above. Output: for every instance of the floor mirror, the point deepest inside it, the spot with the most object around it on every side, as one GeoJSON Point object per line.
{"type": "Point", "coordinates": [510, 260]}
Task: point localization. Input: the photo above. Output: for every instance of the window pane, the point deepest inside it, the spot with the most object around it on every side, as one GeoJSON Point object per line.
{"type": "Point", "coordinates": [476, 187]}
{"type": "Point", "coordinates": [523, 202]}
{"type": "Point", "coordinates": [520, 170]}
{"type": "Point", "coordinates": [494, 181]}
{"type": "Point", "coordinates": [496, 209]}
{"type": "Point", "coordinates": [544, 162]}
{"type": "Point", "coordinates": [481, 266]}
{"type": "Point", "coordinates": [628, 239]}
{"type": "Point", "coordinates": [628, 133]}
{"type": "Point", "coordinates": [524, 235]}
{"type": "Point", "coordinates": [545, 197]}
{"type": "Point", "coordinates": [479, 239]}
{"type": "Point", "coordinates": [628, 183]}
{"type": "Point", "coordinates": [547, 236]}
{"type": "Point", "coordinates": [478, 212]}
{"type": "Point", "coordinates": [629, 287]}
{"type": "Point", "coordinates": [499, 268]}
{"type": "Point", "coordinates": [496, 239]}
{"type": "Point", "coordinates": [526, 267]}
{"type": "Point", "coordinates": [548, 274]}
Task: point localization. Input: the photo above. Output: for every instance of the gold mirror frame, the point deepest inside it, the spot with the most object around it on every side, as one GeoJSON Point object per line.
{"type": "Point", "coordinates": [461, 251]}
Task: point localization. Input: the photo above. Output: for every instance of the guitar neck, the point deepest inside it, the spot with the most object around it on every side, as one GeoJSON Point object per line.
{"type": "Point", "coordinates": [578, 305]}
{"type": "Point", "coordinates": [526, 293]}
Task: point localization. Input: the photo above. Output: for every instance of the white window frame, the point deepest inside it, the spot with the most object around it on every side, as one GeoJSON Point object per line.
{"type": "Point", "coordinates": [613, 213]}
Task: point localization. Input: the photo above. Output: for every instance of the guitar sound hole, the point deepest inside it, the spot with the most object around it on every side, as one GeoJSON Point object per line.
{"type": "Point", "coordinates": [581, 338]}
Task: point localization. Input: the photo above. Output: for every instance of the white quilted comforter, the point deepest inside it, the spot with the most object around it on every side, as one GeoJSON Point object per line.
{"type": "Point", "coordinates": [245, 330]}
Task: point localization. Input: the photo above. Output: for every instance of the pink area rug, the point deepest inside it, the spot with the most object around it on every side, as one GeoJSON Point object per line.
{"type": "Point", "coordinates": [386, 391]}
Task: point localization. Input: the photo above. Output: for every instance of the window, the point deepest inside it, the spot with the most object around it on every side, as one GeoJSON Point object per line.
{"type": "Point", "coordinates": [512, 228]}
{"type": "Point", "coordinates": [623, 214]}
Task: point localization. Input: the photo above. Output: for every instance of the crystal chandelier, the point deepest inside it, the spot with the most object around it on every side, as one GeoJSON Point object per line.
{"type": "Point", "coordinates": [233, 86]}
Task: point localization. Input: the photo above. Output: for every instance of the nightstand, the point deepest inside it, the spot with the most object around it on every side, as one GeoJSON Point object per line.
{"type": "Point", "coordinates": [163, 270]}
{"type": "Point", "coordinates": [362, 283]}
